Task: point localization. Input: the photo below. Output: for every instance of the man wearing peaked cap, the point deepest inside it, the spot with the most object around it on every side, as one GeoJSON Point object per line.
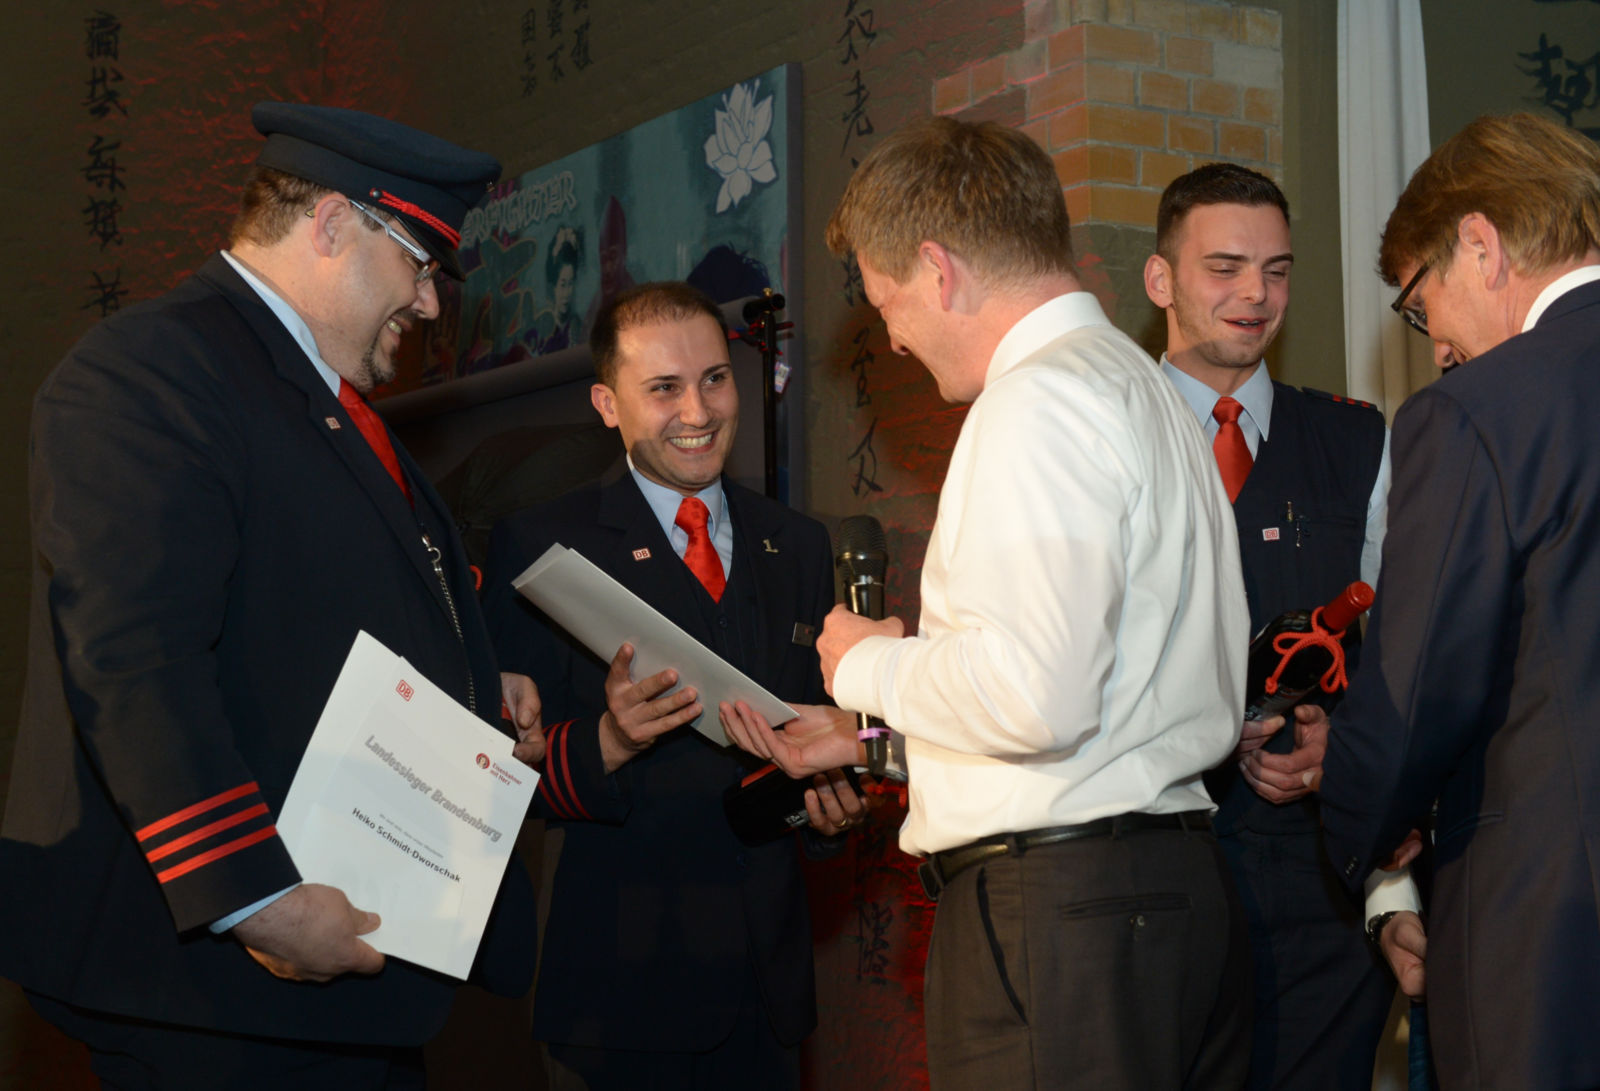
{"type": "Point", "coordinates": [216, 513]}
{"type": "Point", "coordinates": [428, 183]}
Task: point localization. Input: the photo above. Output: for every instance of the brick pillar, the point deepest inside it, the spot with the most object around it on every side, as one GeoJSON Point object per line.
{"type": "Point", "coordinates": [1126, 95]}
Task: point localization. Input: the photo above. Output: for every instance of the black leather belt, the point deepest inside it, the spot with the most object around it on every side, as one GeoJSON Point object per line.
{"type": "Point", "coordinates": [937, 870]}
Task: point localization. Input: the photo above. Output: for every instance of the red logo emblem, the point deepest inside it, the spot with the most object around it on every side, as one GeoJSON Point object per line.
{"type": "Point", "coordinates": [483, 761]}
{"type": "Point", "coordinates": [1269, 534]}
{"type": "Point", "coordinates": [641, 554]}
{"type": "Point", "coordinates": [404, 690]}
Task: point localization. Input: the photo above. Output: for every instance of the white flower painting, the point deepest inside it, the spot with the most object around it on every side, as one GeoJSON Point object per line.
{"type": "Point", "coordinates": [738, 149]}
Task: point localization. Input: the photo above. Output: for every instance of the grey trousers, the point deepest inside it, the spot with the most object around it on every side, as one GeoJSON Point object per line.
{"type": "Point", "coordinates": [1100, 963]}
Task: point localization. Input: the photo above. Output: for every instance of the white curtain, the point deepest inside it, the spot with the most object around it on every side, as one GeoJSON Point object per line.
{"type": "Point", "coordinates": [1383, 137]}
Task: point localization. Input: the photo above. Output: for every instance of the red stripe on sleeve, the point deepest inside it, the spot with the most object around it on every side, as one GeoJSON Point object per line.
{"type": "Point", "coordinates": [566, 774]}
{"type": "Point", "coordinates": [200, 861]}
{"type": "Point", "coordinates": [550, 798]}
{"type": "Point", "coordinates": [205, 831]}
{"type": "Point", "coordinates": [200, 808]}
{"type": "Point", "coordinates": [548, 784]}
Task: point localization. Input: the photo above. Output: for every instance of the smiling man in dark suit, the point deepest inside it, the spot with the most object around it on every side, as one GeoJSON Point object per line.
{"type": "Point", "coordinates": [674, 956]}
{"type": "Point", "coordinates": [1479, 687]}
{"type": "Point", "coordinates": [216, 514]}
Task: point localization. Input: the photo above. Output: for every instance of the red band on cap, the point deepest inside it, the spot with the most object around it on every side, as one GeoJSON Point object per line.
{"type": "Point", "coordinates": [417, 212]}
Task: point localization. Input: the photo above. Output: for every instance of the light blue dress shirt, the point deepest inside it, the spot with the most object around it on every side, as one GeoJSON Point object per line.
{"type": "Point", "coordinates": [664, 502]}
{"type": "Point", "coordinates": [1255, 398]}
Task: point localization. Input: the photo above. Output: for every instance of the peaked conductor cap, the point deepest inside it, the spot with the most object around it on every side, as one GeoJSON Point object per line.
{"type": "Point", "coordinates": [427, 183]}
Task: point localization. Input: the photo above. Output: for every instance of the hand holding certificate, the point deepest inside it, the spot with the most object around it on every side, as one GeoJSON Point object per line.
{"type": "Point", "coordinates": [409, 804]}
{"type": "Point", "coordinates": [604, 615]}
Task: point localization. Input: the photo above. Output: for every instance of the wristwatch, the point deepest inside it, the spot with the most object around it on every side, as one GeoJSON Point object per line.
{"type": "Point", "coordinates": [1376, 924]}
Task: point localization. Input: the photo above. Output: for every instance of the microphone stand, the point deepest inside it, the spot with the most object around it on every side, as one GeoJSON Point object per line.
{"type": "Point", "coordinates": [762, 334]}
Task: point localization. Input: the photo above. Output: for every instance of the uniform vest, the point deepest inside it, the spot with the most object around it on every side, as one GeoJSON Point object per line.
{"type": "Point", "coordinates": [1302, 519]}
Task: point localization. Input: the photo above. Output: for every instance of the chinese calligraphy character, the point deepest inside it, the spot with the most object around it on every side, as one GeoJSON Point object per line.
{"type": "Point", "coordinates": [857, 123]}
{"type": "Point", "coordinates": [530, 26]}
{"type": "Point", "coordinates": [106, 294]}
{"type": "Point", "coordinates": [854, 290]}
{"type": "Point", "coordinates": [102, 171]}
{"type": "Point", "coordinates": [554, 57]}
{"type": "Point", "coordinates": [866, 460]}
{"type": "Point", "coordinates": [872, 959]}
{"type": "Point", "coordinates": [553, 18]}
{"type": "Point", "coordinates": [1566, 93]}
{"type": "Point", "coordinates": [856, 25]}
{"type": "Point", "coordinates": [102, 97]}
{"type": "Point", "coordinates": [580, 46]}
{"type": "Point", "coordinates": [101, 35]}
{"type": "Point", "coordinates": [858, 364]}
{"type": "Point", "coordinates": [100, 217]}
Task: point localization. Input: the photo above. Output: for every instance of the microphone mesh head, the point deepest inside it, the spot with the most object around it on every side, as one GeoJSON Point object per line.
{"type": "Point", "coordinates": [863, 553]}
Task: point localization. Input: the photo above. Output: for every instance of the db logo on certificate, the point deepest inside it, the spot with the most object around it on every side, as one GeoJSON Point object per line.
{"type": "Point", "coordinates": [404, 690]}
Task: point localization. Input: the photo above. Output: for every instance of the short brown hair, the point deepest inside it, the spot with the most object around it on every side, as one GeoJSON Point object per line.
{"type": "Point", "coordinates": [986, 193]}
{"type": "Point", "coordinates": [1537, 182]}
{"type": "Point", "coordinates": [272, 200]}
{"type": "Point", "coordinates": [644, 305]}
{"type": "Point", "coordinates": [1211, 184]}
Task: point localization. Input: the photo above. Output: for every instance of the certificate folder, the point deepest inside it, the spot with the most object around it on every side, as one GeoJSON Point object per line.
{"type": "Point", "coordinates": [409, 804]}
{"type": "Point", "coordinates": [603, 615]}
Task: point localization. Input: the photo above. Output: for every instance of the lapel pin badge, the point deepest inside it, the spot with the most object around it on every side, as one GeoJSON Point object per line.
{"type": "Point", "coordinates": [641, 554]}
{"type": "Point", "coordinates": [1269, 534]}
{"type": "Point", "coordinates": [768, 543]}
{"type": "Point", "coordinates": [333, 423]}
{"type": "Point", "coordinates": [804, 635]}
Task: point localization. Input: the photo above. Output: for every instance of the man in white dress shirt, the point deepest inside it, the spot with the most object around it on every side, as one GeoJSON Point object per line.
{"type": "Point", "coordinates": [1079, 660]}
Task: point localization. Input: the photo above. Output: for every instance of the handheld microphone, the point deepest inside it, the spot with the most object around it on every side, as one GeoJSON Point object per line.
{"type": "Point", "coordinates": [862, 560]}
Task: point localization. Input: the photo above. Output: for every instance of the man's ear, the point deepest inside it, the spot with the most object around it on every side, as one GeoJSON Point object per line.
{"type": "Point", "coordinates": [1481, 239]}
{"type": "Point", "coordinates": [604, 402]}
{"type": "Point", "coordinates": [1158, 281]}
{"type": "Point", "coordinates": [331, 218]}
{"type": "Point", "coordinates": [949, 275]}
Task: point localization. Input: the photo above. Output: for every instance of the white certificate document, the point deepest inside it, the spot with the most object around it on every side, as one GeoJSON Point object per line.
{"type": "Point", "coordinates": [409, 804]}
{"type": "Point", "coordinates": [604, 615]}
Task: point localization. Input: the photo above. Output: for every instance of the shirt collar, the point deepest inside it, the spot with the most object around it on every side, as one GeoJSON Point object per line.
{"type": "Point", "coordinates": [290, 318]}
{"type": "Point", "coordinates": [1042, 325]}
{"type": "Point", "coordinates": [1254, 395]}
{"type": "Point", "coordinates": [664, 502]}
{"type": "Point", "coordinates": [1556, 289]}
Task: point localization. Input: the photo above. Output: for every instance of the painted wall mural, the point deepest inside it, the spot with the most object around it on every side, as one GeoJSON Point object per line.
{"type": "Point", "coordinates": [702, 194]}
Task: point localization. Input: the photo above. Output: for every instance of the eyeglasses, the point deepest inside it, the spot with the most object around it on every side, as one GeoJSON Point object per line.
{"type": "Point", "coordinates": [427, 266]}
{"type": "Point", "coordinates": [1415, 317]}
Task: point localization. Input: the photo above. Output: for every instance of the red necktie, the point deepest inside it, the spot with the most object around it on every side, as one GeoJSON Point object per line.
{"type": "Point", "coordinates": [1233, 454]}
{"type": "Point", "coordinates": [701, 556]}
{"type": "Point", "coordinates": [377, 436]}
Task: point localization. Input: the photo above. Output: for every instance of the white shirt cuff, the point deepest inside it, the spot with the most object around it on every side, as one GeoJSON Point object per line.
{"type": "Point", "coordinates": [1392, 890]}
{"type": "Point", "coordinates": [855, 681]}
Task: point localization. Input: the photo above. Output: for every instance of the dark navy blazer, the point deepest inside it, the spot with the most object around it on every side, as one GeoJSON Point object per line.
{"type": "Point", "coordinates": [1480, 688]}
{"type": "Point", "coordinates": [210, 533]}
{"type": "Point", "coordinates": [658, 913]}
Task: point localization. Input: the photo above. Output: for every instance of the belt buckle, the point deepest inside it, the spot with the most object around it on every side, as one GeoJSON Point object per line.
{"type": "Point", "coordinates": [932, 881]}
